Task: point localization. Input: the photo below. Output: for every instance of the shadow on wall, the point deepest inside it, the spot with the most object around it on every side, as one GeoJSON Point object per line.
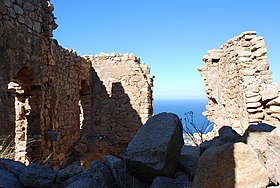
{"type": "Point", "coordinates": [112, 116]}
{"type": "Point", "coordinates": [231, 160]}
{"type": "Point", "coordinates": [21, 108]}
{"type": "Point", "coordinates": [111, 125]}
{"type": "Point", "coordinates": [126, 119]}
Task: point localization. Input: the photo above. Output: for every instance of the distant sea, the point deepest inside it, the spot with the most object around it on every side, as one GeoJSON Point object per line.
{"type": "Point", "coordinates": [181, 107]}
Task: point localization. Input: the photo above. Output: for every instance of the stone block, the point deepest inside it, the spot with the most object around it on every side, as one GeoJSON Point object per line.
{"type": "Point", "coordinates": [244, 59]}
{"type": "Point", "coordinates": [255, 110]}
{"type": "Point", "coordinates": [8, 180]}
{"type": "Point", "coordinates": [8, 3]}
{"type": "Point", "coordinates": [257, 39]}
{"type": "Point", "coordinates": [248, 71]}
{"type": "Point", "coordinates": [37, 176]}
{"type": "Point", "coordinates": [245, 53]}
{"type": "Point", "coordinates": [270, 91]}
{"type": "Point", "coordinates": [258, 44]}
{"type": "Point", "coordinates": [258, 116]}
{"type": "Point", "coordinates": [260, 52]}
{"type": "Point", "coordinates": [262, 66]}
{"type": "Point", "coordinates": [18, 10]}
{"type": "Point", "coordinates": [275, 101]}
{"type": "Point", "coordinates": [155, 149]}
{"type": "Point", "coordinates": [3, 9]}
{"type": "Point", "coordinates": [252, 89]}
{"type": "Point", "coordinates": [249, 94]}
{"type": "Point", "coordinates": [274, 109]}
{"type": "Point", "coordinates": [215, 54]}
{"type": "Point", "coordinates": [240, 167]}
{"type": "Point", "coordinates": [249, 33]}
{"type": "Point", "coordinates": [253, 99]}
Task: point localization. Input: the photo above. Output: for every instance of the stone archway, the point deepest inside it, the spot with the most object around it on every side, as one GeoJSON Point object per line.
{"type": "Point", "coordinates": [22, 110]}
{"type": "Point", "coordinates": [20, 88]}
{"type": "Point", "coordinates": [27, 104]}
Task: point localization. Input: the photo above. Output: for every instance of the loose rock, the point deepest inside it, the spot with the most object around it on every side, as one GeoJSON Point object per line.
{"type": "Point", "coordinates": [37, 176]}
{"type": "Point", "coordinates": [230, 165]}
{"type": "Point", "coordinates": [8, 180]}
{"type": "Point", "coordinates": [156, 147]}
{"type": "Point", "coordinates": [272, 155]}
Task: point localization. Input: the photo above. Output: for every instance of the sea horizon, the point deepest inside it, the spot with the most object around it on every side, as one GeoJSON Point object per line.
{"type": "Point", "coordinates": [181, 107]}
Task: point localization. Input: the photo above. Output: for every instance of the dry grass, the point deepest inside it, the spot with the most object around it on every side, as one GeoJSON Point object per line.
{"type": "Point", "coordinates": [7, 147]}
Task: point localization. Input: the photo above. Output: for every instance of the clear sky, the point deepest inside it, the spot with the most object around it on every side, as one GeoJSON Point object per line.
{"type": "Point", "coordinates": [171, 36]}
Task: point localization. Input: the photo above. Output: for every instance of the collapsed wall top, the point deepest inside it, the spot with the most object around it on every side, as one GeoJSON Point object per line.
{"type": "Point", "coordinates": [239, 85]}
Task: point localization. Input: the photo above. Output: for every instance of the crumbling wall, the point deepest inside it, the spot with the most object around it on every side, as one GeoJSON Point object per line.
{"type": "Point", "coordinates": [239, 85]}
{"type": "Point", "coordinates": [25, 31]}
{"type": "Point", "coordinates": [40, 83]}
{"type": "Point", "coordinates": [67, 74]}
{"type": "Point", "coordinates": [49, 95]}
{"type": "Point", "coordinates": [124, 99]}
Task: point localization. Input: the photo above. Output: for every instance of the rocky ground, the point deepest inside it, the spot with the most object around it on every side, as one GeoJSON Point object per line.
{"type": "Point", "coordinates": [157, 158]}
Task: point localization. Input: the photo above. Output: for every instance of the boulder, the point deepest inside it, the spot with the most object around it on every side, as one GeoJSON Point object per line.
{"type": "Point", "coordinates": [117, 168]}
{"type": "Point", "coordinates": [256, 137]}
{"type": "Point", "coordinates": [189, 159]}
{"type": "Point", "coordinates": [226, 135]}
{"type": "Point", "coordinates": [131, 181]}
{"type": "Point", "coordinates": [12, 166]}
{"type": "Point", "coordinates": [272, 155]}
{"type": "Point", "coordinates": [230, 165]}
{"type": "Point", "coordinates": [7, 179]}
{"type": "Point", "coordinates": [102, 174]}
{"type": "Point", "coordinates": [110, 172]}
{"type": "Point", "coordinates": [82, 184]}
{"type": "Point", "coordinates": [164, 182]}
{"type": "Point", "coordinates": [156, 147]}
{"type": "Point", "coordinates": [69, 172]}
{"type": "Point", "coordinates": [84, 179]}
{"type": "Point", "coordinates": [37, 176]}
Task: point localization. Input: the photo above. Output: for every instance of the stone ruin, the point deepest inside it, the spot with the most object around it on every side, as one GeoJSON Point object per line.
{"type": "Point", "coordinates": [239, 85]}
{"type": "Point", "coordinates": [50, 96]}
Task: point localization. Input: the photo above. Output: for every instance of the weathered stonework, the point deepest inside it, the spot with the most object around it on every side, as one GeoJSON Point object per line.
{"type": "Point", "coordinates": [134, 76]}
{"type": "Point", "coordinates": [121, 101]}
{"type": "Point", "coordinates": [49, 94]}
{"type": "Point", "coordinates": [238, 84]}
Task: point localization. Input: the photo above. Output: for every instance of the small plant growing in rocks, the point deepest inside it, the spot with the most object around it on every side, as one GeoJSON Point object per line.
{"type": "Point", "coordinates": [196, 133]}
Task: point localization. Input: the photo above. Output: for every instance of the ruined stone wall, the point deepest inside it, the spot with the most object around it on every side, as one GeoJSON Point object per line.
{"type": "Point", "coordinates": [24, 34]}
{"type": "Point", "coordinates": [124, 100]}
{"type": "Point", "coordinates": [68, 83]}
{"type": "Point", "coordinates": [50, 96]}
{"type": "Point", "coordinates": [239, 85]}
{"type": "Point", "coordinates": [22, 44]}
{"type": "Point", "coordinates": [40, 83]}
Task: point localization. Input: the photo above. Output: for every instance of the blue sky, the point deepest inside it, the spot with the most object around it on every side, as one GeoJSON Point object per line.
{"type": "Point", "coordinates": [171, 36]}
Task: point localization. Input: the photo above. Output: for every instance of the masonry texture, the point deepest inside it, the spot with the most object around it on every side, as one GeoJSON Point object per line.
{"type": "Point", "coordinates": [47, 92]}
{"type": "Point", "coordinates": [239, 85]}
{"type": "Point", "coordinates": [127, 101]}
